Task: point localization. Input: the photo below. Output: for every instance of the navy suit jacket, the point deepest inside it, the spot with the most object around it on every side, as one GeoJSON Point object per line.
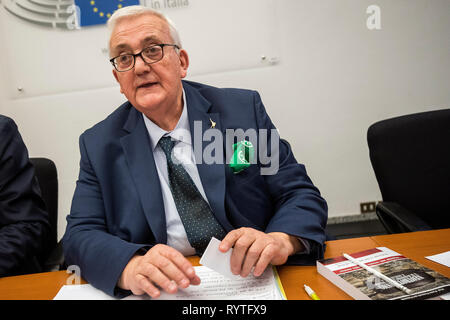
{"type": "Point", "coordinates": [24, 223]}
{"type": "Point", "coordinates": [117, 208]}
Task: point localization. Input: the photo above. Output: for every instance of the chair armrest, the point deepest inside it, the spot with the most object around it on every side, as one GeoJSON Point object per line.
{"type": "Point", "coordinates": [396, 218]}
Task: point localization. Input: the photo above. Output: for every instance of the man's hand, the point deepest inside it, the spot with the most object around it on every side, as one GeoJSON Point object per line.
{"type": "Point", "coordinates": [258, 249]}
{"type": "Point", "coordinates": [162, 267]}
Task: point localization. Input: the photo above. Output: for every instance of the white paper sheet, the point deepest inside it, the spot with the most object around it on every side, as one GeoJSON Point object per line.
{"type": "Point", "coordinates": [442, 258]}
{"type": "Point", "coordinates": [215, 286]}
{"type": "Point", "coordinates": [81, 292]}
{"type": "Point", "coordinates": [216, 260]}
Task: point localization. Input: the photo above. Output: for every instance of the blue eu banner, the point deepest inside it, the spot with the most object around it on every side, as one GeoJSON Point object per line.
{"type": "Point", "coordinates": [98, 11]}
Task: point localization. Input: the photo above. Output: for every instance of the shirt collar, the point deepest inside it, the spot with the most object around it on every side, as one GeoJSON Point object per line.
{"type": "Point", "coordinates": [180, 133]}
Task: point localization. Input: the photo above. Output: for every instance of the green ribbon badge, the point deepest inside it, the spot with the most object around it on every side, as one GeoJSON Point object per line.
{"type": "Point", "coordinates": [243, 153]}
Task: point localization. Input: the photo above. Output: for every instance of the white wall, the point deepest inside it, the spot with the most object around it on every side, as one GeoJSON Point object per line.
{"type": "Point", "coordinates": [334, 78]}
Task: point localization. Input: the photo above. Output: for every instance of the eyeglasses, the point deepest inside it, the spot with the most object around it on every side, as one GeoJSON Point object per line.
{"type": "Point", "coordinates": [149, 55]}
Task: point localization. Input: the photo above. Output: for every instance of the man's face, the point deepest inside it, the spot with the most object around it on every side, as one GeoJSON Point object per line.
{"type": "Point", "coordinates": [150, 88]}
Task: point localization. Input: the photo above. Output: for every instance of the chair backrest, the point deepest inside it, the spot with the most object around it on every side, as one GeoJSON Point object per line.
{"type": "Point", "coordinates": [411, 159]}
{"type": "Point", "coordinates": [47, 177]}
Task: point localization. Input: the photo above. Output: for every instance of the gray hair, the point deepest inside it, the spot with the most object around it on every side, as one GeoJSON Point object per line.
{"type": "Point", "coordinates": [133, 11]}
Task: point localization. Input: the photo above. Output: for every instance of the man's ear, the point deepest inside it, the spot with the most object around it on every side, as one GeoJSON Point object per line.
{"type": "Point", "coordinates": [184, 62]}
{"type": "Point", "coordinates": [117, 79]}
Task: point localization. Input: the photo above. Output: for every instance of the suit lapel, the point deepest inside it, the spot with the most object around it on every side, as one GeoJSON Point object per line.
{"type": "Point", "coordinates": [212, 176]}
{"type": "Point", "coordinates": [139, 156]}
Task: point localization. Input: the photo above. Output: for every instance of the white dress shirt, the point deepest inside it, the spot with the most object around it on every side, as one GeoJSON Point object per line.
{"type": "Point", "coordinates": [183, 152]}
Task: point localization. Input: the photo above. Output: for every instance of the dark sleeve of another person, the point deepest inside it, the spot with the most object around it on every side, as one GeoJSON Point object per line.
{"type": "Point", "coordinates": [24, 222]}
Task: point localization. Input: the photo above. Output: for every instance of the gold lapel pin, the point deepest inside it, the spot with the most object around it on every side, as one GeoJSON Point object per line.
{"type": "Point", "coordinates": [213, 124]}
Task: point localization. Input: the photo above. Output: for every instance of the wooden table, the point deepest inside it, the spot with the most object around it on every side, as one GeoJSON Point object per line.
{"type": "Point", "coordinates": [415, 245]}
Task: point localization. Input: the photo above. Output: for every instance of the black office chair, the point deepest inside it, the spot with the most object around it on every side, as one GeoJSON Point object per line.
{"type": "Point", "coordinates": [52, 257]}
{"type": "Point", "coordinates": [411, 159]}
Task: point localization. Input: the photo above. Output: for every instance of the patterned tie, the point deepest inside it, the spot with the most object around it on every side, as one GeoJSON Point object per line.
{"type": "Point", "coordinates": [195, 213]}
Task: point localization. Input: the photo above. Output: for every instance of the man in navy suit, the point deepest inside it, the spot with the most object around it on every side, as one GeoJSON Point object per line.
{"type": "Point", "coordinates": [127, 230]}
{"type": "Point", "coordinates": [24, 223]}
